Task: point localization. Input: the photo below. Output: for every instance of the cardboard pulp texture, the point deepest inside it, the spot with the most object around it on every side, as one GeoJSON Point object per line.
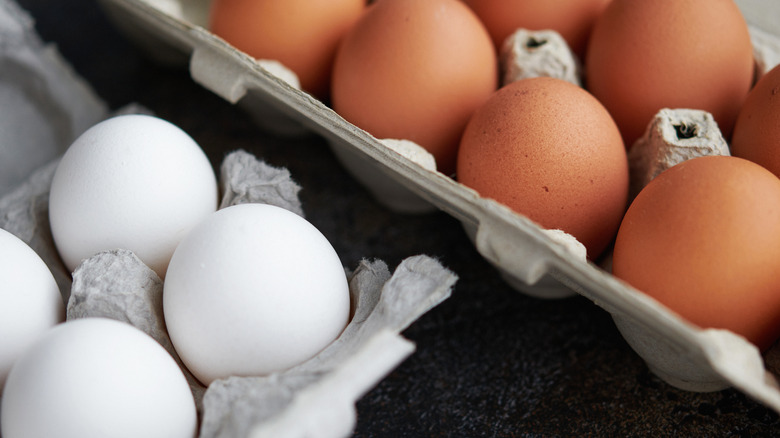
{"type": "Point", "coordinates": [531, 260]}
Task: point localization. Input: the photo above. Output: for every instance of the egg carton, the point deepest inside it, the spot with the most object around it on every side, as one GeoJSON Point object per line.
{"type": "Point", "coordinates": [532, 260]}
{"type": "Point", "coordinates": [315, 397]}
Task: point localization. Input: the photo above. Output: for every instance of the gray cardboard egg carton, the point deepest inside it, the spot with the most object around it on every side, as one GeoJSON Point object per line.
{"type": "Point", "coordinates": [314, 397]}
{"type": "Point", "coordinates": [529, 258]}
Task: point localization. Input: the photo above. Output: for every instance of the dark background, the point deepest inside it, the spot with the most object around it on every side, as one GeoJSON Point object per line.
{"type": "Point", "coordinates": [489, 361]}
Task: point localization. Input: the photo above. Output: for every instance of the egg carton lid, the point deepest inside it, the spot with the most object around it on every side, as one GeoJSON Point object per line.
{"type": "Point", "coordinates": [530, 259]}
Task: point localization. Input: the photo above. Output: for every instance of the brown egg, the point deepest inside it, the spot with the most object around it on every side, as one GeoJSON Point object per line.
{"type": "Point", "coordinates": [573, 19]}
{"type": "Point", "coordinates": [301, 34]}
{"type": "Point", "coordinates": [652, 54]}
{"type": "Point", "coordinates": [757, 131]}
{"type": "Point", "coordinates": [415, 70]}
{"type": "Point", "coordinates": [703, 238]}
{"type": "Point", "coordinates": [550, 151]}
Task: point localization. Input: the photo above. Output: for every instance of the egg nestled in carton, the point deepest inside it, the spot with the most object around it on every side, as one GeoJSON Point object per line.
{"type": "Point", "coordinates": [114, 283]}
{"type": "Point", "coordinates": [550, 151]}
{"type": "Point", "coordinates": [415, 71]}
{"type": "Point", "coordinates": [688, 231]}
{"type": "Point", "coordinates": [645, 56]}
{"type": "Point", "coordinates": [703, 238]}
{"type": "Point", "coordinates": [694, 220]}
{"type": "Point", "coordinates": [118, 285]}
{"type": "Point", "coordinates": [31, 300]}
{"type": "Point", "coordinates": [93, 377]}
{"type": "Point", "coordinates": [301, 35]}
{"type": "Point", "coordinates": [673, 137]}
{"type": "Point", "coordinates": [132, 181]}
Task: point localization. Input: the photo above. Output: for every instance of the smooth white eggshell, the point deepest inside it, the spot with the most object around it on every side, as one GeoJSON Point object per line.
{"type": "Point", "coordinates": [252, 290]}
{"type": "Point", "coordinates": [135, 182]}
{"type": "Point", "coordinates": [31, 300]}
{"type": "Point", "coordinates": [95, 378]}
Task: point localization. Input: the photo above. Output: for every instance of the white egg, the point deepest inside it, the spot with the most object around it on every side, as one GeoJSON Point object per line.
{"type": "Point", "coordinates": [95, 378]}
{"type": "Point", "coordinates": [134, 182]}
{"type": "Point", "coordinates": [31, 300]}
{"type": "Point", "coordinates": [252, 290]}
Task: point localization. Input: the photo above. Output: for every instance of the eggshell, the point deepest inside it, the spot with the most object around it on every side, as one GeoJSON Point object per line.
{"type": "Point", "coordinates": [31, 301]}
{"type": "Point", "coordinates": [415, 70]}
{"type": "Point", "coordinates": [757, 130]}
{"type": "Point", "coordinates": [703, 238]}
{"type": "Point", "coordinates": [97, 377]}
{"type": "Point", "coordinates": [573, 19]}
{"type": "Point", "coordinates": [133, 182]}
{"type": "Point", "coordinates": [251, 290]}
{"type": "Point", "coordinates": [301, 34]}
{"type": "Point", "coordinates": [652, 54]}
{"type": "Point", "coordinates": [549, 150]}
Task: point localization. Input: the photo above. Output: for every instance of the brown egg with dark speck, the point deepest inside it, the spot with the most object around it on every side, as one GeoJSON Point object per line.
{"type": "Point", "coordinates": [549, 150]}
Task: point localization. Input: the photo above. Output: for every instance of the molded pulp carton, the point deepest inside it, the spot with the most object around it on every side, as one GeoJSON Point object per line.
{"type": "Point", "coordinates": [532, 261]}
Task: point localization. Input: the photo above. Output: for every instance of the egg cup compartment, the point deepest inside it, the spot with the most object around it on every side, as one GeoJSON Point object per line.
{"type": "Point", "coordinates": [525, 255]}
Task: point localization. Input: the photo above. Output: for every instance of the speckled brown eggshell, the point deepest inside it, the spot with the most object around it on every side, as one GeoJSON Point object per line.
{"type": "Point", "coordinates": [550, 151]}
{"type": "Point", "coordinates": [647, 55]}
{"type": "Point", "coordinates": [703, 238]}
{"type": "Point", "coordinates": [757, 131]}
{"type": "Point", "coordinates": [415, 70]}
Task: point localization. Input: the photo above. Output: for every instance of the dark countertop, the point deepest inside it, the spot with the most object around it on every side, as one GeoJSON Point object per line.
{"type": "Point", "coordinates": [489, 361]}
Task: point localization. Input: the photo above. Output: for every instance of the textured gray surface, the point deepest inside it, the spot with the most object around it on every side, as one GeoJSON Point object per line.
{"type": "Point", "coordinates": [489, 361]}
